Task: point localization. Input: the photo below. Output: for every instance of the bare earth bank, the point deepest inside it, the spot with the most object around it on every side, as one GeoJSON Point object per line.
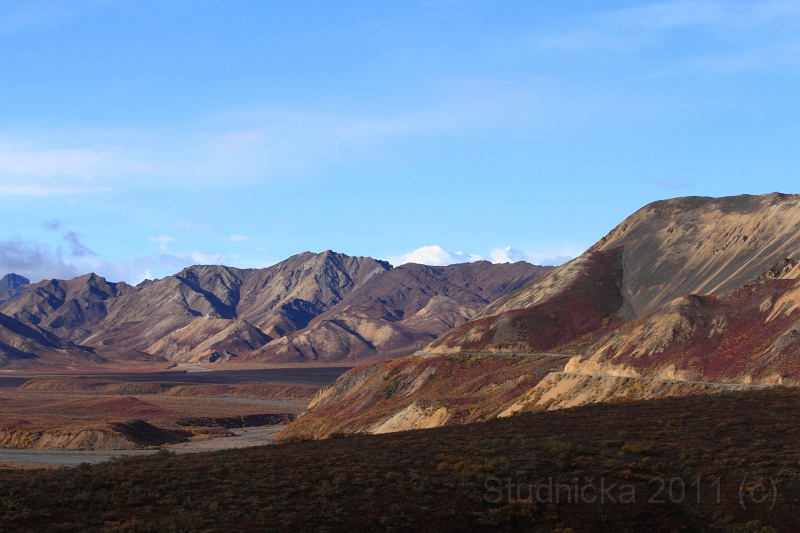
{"type": "Point", "coordinates": [29, 458]}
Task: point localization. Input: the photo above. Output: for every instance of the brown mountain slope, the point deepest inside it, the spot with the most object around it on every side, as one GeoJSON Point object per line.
{"type": "Point", "coordinates": [667, 249]}
{"type": "Point", "coordinates": [589, 299]}
{"type": "Point", "coordinates": [196, 312]}
{"type": "Point", "coordinates": [401, 310]}
{"type": "Point", "coordinates": [419, 392]}
{"type": "Point", "coordinates": [749, 334]}
{"type": "Point", "coordinates": [286, 297]}
{"type": "Point", "coordinates": [620, 313]}
{"type": "Point", "coordinates": [70, 309]}
{"type": "Point", "coordinates": [208, 309]}
{"type": "Point", "coordinates": [20, 342]}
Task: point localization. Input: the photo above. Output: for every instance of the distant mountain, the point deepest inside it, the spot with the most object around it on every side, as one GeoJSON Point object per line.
{"type": "Point", "coordinates": [686, 295]}
{"type": "Point", "coordinates": [71, 309]}
{"type": "Point", "coordinates": [311, 306]}
{"type": "Point", "coordinates": [11, 286]}
{"type": "Point", "coordinates": [402, 310]}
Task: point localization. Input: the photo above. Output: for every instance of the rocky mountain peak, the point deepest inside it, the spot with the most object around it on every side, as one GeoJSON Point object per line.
{"type": "Point", "coordinates": [11, 286]}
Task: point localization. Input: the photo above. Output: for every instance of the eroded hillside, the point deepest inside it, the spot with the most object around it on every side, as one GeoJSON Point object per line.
{"type": "Point", "coordinates": [666, 250]}
{"type": "Point", "coordinates": [686, 296]}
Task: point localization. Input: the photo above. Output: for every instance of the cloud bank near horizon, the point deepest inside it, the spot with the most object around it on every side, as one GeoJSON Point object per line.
{"type": "Point", "coordinates": [435, 255]}
{"type": "Point", "coordinates": [68, 257]}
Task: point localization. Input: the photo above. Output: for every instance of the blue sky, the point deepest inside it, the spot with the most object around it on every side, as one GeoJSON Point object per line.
{"type": "Point", "coordinates": [139, 137]}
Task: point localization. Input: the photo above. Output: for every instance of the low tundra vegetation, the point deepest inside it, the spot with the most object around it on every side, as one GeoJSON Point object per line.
{"type": "Point", "coordinates": [724, 462]}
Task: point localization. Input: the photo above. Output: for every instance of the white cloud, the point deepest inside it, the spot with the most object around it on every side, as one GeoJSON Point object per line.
{"type": "Point", "coordinates": [53, 171]}
{"type": "Point", "coordinates": [435, 256]}
{"type": "Point", "coordinates": [162, 241]}
{"type": "Point", "coordinates": [237, 238]}
{"type": "Point", "coordinates": [204, 258]}
{"type": "Point", "coordinates": [79, 162]}
{"type": "Point", "coordinates": [510, 254]}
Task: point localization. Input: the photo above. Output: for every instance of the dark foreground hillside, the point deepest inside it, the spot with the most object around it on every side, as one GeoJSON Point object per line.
{"type": "Point", "coordinates": [711, 463]}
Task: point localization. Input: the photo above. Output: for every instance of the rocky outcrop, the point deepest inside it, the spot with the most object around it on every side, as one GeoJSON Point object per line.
{"type": "Point", "coordinates": [748, 335]}
{"type": "Point", "coordinates": [562, 390]}
{"type": "Point", "coordinates": [127, 435]}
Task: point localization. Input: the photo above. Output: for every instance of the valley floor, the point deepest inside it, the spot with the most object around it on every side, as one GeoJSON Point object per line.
{"type": "Point", "coordinates": [119, 409]}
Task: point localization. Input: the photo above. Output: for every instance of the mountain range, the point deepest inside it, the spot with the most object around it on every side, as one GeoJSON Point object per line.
{"type": "Point", "coordinates": [326, 307]}
{"type": "Point", "coordinates": [688, 295]}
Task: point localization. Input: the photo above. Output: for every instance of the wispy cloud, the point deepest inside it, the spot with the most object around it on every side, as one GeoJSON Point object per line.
{"type": "Point", "coordinates": [52, 224]}
{"type": "Point", "coordinates": [47, 260]}
{"type": "Point", "coordinates": [194, 225]}
{"type": "Point", "coordinates": [670, 15]}
{"type": "Point", "coordinates": [206, 258]}
{"type": "Point", "coordinates": [34, 260]}
{"type": "Point", "coordinates": [82, 162]}
{"type": "Point", "coordinates": [510, 254]}
{"type": "Point", "coordinates": [70, 257]}
{"type": "Point", "coordinates": [52, 171]}
{"type": "Point", "coordinates": [18, 16]}
{"type": "Point", "coordinates": [77, 248]}
{"type": "Point", "coordinates": [162, 241]}
{"type": "Point", "coordinates": [735, 35]}
{"type": "Point", "coordinates": [49, 190]}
